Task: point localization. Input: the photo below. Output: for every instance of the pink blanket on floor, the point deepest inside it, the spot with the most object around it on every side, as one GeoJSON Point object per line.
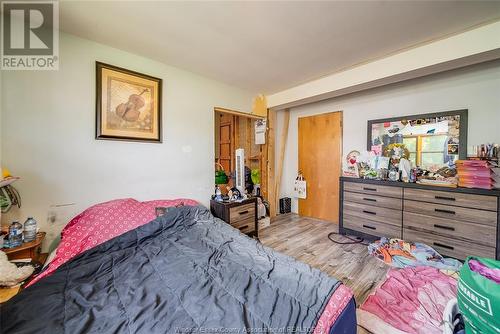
{"type": "Point", "coordinates": [413, 299]}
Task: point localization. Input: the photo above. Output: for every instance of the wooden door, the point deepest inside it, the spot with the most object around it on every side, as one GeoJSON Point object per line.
{"type": "Point", "coordinates": [320, 160]}
{"type": "Point", "coordinates": [226, 141]}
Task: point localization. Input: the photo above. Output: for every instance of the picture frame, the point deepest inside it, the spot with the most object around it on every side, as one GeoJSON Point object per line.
{"type": "Point", "coordinates": [128, 105]}
{"type": "Point", "coordinates": [449, 127]}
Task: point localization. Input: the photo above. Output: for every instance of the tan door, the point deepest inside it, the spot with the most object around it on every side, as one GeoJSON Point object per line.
{"type": "Point", "coordinates": [320, 160]}
{"type": "Point", "coordinates": [226, 142]}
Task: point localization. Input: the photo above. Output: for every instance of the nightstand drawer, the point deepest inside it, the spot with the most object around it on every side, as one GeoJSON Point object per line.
{"type": "Point", "coordinates": [452, 198]}
{"type": "Point", "coordinates": [242, 212]}
{"type": "Point", "coordinates": [373, 189]}
{"type": "Point", "coordinates": [241, 215]}
{"type": "Point", "coordinates": [466, 231]}
{"type": "Point", "coordinates": [245, 226]}
{"type": "Point", "coordinates": [448, 246]}
{"type": "Point", "coordinates": [452, 212]}
{"type": "Point", "coordinates": [374, 200]}
{"type": "Point", "coordinates": [371, 227]}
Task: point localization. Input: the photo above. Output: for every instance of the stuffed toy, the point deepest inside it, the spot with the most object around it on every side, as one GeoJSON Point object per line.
{"type": "Point", "coordinates": [10, 274]}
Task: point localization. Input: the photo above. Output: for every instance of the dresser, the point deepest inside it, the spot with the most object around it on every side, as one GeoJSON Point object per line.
{"type": "Point", "coordinates": [456, 222]}
{"type": "Point", "coordinates": [241, 215]}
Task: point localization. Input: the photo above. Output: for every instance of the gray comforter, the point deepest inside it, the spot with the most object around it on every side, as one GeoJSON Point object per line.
{"type": "Point", "coordinates": [184, 272]}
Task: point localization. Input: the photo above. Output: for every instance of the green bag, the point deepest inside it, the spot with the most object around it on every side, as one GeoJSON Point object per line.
{"type": "Point", "coordinates": [479, 299]}
{"type": "Point", "coordinates": [221, 177]}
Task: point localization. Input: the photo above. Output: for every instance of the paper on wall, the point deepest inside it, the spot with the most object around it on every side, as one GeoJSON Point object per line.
{"type": "Point", "coordinates": [260, 131]}
{"type": "Point", "coordinates": [422, 129]}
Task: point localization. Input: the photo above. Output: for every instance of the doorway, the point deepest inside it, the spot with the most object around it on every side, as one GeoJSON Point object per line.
{"type": "Point", "coordinates": [320, 161]}
{"type": "Point", "coordinates": [235, 130]}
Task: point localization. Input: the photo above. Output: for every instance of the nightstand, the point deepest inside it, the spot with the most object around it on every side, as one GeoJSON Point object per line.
{"type": "Point", "coordinates": [241, 215]}
{"type": "Point", "coordinates": [28, 250]}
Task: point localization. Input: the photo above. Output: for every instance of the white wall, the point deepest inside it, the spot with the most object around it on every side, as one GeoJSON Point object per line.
{"type": "Point", "coordinates": [48, 129]}
{"type": "Point", "coordinates": [476, 88]}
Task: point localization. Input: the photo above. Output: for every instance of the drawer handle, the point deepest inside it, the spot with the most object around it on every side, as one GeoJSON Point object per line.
{"type": "Point", "coordinates": [243, 227]}
{"type": "Point", "coordinates": [444, 227]}
{"type": "Point", "coordinates": [370, 199]}
{"type": "Point", "coordinates": [370, 227]}
{"type": "Point", "coordinates": [369, 189]}
{"type": "Point", "coordinates": [445, 211]}
{"type": "Point", "coordinates": [370, 212]}
{"type": "Point", "coordinates": [443, 246]}
{"type": "Point", "coordinates": [445, 198]}
{"type": "Point", "coordinates": [243, 212]}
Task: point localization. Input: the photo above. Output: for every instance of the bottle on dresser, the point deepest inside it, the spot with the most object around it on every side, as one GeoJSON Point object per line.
{"type": "Point", "coordinates": [29, 229]}
{"type": "Point", "coordinates": [15, 234]}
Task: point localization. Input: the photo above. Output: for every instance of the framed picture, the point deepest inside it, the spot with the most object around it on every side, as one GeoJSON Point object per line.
{"type": "Point", "coordinates": [128, 105]}
{"type": "Point", "coordinates": [433, 141]}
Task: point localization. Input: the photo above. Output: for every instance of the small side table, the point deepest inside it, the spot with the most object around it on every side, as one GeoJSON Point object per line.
{"type": "Point", "coordinates": [28, 250]}
{"type": "Point", "coordinates": [241, 215]}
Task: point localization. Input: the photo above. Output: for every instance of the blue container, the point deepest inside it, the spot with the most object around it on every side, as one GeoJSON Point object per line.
{"type": "Point", "coordinates": [15, 235]}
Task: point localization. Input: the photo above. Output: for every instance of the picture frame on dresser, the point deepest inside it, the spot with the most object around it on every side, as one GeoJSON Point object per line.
{"type": "Point", "coordinates": [447, 130]}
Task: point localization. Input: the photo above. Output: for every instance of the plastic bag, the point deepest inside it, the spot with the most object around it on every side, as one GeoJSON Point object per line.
{"type": "Point", "coordinates": [479, 298]}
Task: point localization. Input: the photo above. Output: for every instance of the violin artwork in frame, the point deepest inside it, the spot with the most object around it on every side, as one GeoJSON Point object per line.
{"type": "Point", "coordinates": [128, 105]}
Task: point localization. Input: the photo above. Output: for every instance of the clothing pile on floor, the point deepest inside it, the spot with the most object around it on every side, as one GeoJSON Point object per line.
{"type": "Point", "coordinates": [424, 296]}
{"type": "Point", "coordinates": [401, 254]}
{"type": "Point", "coordinates": [411, 300]}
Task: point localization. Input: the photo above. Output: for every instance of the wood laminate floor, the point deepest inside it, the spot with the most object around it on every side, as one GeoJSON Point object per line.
{"type": "Point", "coordinates": [306, 239]}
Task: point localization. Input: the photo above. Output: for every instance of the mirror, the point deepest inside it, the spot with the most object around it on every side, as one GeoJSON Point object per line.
{"type": "Point", "coordinates": [434, 140]}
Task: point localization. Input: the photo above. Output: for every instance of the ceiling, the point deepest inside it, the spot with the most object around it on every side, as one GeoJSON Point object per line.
{"type": "Point", "coordinates": [267, 47]}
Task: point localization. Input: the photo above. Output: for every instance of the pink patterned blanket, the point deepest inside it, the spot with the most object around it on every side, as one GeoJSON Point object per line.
{"type": "Point", "coordinates": [102, 222]}
{"type": "Point", "coordinates": [337, 303]}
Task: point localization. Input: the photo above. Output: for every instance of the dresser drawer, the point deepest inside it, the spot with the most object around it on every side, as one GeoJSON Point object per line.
{"type": "Point", "coordinates": [374, 189]}
{"type": "Point", "coordinates": [383, 215]}
{"type": "Point", "coordinates": [242, 212]}
{"type": "Point", "coordinates": [452, 212]}
{"type": "Point", "coordinates": [449, 246]}
{"type": "Point", "coordinates": [372, 227]}
{"type": "Point", "coordinates": [452, 198]}
{"type": "Point", "coordinates": [374, 200]}
{"type": "Point", "coordinates": [465, 231]}
{"type": "Point", "coordinates": [245, 226]}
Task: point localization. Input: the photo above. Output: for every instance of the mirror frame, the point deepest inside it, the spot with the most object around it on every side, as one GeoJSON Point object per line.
{"type": "Point", "coordinates": [462, 137]}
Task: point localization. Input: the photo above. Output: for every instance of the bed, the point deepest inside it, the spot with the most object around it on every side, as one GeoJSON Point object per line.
{"type": "Point", "coordinates": [183, 272]}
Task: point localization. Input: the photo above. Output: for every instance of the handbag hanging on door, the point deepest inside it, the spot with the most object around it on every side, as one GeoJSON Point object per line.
{"type": "Point", "coordinates": [300, 187]}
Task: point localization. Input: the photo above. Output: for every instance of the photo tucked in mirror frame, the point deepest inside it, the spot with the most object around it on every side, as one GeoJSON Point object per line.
{"type": "Point", "coordinates": [433, 141]}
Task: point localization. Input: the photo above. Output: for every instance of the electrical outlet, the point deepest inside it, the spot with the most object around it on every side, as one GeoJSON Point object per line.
{"type": "Point", "coordinates": [52, 217]}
